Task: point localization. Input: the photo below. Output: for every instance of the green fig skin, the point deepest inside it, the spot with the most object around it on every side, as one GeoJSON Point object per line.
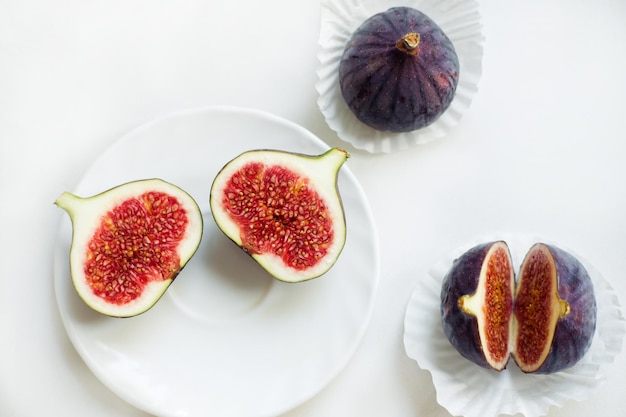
{"type": "Point", "coordinates": [129, 243]}
{"type": "Point", "coordinates": [283, 209]}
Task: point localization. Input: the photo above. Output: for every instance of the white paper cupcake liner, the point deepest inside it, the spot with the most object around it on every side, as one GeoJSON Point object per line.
{"type": "Point", "coordinates": [465, 389]}
{"type": "Point", "coordinates": [459, 19]}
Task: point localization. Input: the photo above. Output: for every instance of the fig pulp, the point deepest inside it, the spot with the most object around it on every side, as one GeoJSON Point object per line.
{"type": "Point", "coordinates": [545, 321]}
{"type": "Point", "coordinates": [563, 321]}
{"type": "Point", "coordinates": [477, 304]}
{"type": "Point", "coordinates": [129, 243]}
{"type": "Point", "coordinates": [399, 71]}
{"type": "Point", "coordinates": [283, 209]}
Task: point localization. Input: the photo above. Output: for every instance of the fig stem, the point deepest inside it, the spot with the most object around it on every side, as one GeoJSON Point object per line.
{"type": "Point", "coordinates": [564, 308]}
{"type": "Point", "coordinates": [67, 201]}
{"type": "Point", "coordinates": [336, 156]}
{"type": "Point", "coordinates": [464, 303]}
{"type": "Point", "coordinates": [409, 43]}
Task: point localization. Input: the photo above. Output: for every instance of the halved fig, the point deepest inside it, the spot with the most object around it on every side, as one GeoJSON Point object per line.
{"type": "Point", "coordinates": [477, 304]}
{"type": "Point", "coordinates": [545, 321]}
{"type": "Point", "coordinates": [555, 310]}
{"type": "Point", "coordinates": [129, 243]}
{"type": "Point", "coordinates": [283, 209]}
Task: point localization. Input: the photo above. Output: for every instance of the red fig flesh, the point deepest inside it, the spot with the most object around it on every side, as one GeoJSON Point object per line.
{"type": "Point", "coordinates": [545, 321]}
{"type": "Point", "coordinates": [129, 243]}
{"type": "Point", "coordinates": [283, 209]}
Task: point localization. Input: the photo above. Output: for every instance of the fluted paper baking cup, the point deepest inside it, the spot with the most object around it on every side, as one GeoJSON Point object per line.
{"type": "Point", "coordinates": [466, 389]}
{"type": "Point", "coordinates": [459, 19]}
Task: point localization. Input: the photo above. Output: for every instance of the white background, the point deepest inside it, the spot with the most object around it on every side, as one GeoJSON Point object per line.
{"type": "Point", "coordinates": [542, 150]}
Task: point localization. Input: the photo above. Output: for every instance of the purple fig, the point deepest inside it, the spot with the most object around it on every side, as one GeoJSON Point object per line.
{"type": "Point", "coordinates": [399, 71]}
{"type": "Point", "coordinates": [477, 304]}
{"type": "Point", "coordinates": [545, 321]}
{"type": "Point", "coordinates": [555, 310]}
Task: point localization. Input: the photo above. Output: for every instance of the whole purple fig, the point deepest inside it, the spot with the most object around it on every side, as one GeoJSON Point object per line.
{"type": "Point", "coordinates": [399, 71]}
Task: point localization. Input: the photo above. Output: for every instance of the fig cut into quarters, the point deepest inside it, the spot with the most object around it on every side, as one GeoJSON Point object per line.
{"type": "Point", "coordinates": [283, 209]}
{"type": "Point", "coordinates": [545, 320]}
{"type": "Point", "coordinates": [129, 243]}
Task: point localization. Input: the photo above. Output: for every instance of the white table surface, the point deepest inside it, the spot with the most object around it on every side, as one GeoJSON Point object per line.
{"type": "Point", "coordinates": [541, 150]}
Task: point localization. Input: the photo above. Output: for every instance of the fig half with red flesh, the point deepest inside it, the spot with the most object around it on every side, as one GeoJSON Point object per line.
{"type": "Point", "coordinates": [283, 209]}
{"type": "Point", "coordinates": [477, 304]}
{"type": "Point", "coordinates": [545, 321]}
{"type": "Point", "coordinates": [129, 243]}
{"type": "Point", "coordinates": [555, 310]}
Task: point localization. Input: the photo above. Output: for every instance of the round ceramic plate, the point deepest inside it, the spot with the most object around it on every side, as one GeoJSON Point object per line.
{"type": "Point", "coordinates": [466, 389]}
{"type": "Point", "coordinates": [226, 339]}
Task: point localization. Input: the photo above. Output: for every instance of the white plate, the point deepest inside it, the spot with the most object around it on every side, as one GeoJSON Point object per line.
{"type": "Point", "coordinates": [463, 387]}
{"type": "Point", "coordinates": [226, 339]}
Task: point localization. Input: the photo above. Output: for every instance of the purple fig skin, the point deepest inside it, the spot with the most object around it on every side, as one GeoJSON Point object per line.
{"type": "Point", "coordinates": [389, 89]}
{"type": "Point", "coordinates": [461, 328]}
{"type": "Point", "coordinates": [574, 332]}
